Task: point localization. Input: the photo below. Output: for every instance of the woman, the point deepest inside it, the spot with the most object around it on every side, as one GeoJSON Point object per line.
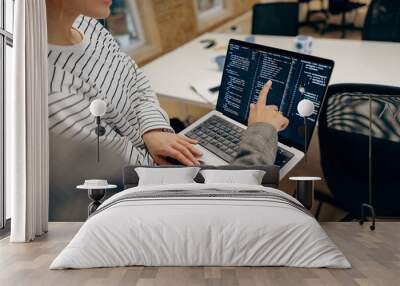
{"type": "Point", "coordinates": [85, 63]}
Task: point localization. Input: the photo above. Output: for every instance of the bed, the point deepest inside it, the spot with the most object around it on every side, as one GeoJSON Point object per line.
{"type": "Point", "coordinates": [201, 224]}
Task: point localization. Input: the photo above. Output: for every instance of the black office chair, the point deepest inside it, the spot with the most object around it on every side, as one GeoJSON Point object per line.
{"type": "Point", "coordinates": [383, 21]}
{"type": "Point", "coordinates": [311, 20]}
{"type": "Point", "coordinates": [281, 19]}
{"type": "Point", "coordinates": [343, 135]}
{"type": "Point", "coordinates": [341, 7]}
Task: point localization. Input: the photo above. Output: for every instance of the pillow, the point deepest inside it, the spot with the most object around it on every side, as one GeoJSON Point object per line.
{"type": "Point", "coordinates": [166, 176]}
{"type": "Point", "coordinates": [248, 177]}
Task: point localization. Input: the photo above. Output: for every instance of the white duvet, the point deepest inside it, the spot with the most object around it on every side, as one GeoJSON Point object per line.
{"type": "Point", "coordinates": [188, 231]}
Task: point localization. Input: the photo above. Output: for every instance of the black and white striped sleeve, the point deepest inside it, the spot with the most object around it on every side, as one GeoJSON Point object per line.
{"type": "Point", "coordinates": [150, 115]}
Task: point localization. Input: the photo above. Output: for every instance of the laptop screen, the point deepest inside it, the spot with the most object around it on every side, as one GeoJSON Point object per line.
{"type": "Point", "coordinates": [294, 77]}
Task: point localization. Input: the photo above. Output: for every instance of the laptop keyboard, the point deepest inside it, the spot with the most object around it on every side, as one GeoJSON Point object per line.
{"type": "Point", "coordinates": [222, 138]}
{"type": "Point", "coordinates": [219, 136]}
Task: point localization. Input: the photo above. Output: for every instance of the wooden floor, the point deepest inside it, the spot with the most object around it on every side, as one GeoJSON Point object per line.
{"type": "Point", "coordinates": [375, 257]}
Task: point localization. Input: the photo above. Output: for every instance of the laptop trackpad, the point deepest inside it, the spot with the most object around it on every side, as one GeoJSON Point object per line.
{"type": "Point", "coordinates": [209, 158]}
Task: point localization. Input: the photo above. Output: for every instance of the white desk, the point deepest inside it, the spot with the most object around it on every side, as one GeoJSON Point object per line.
{"type": "Point", "coordinates": [355, 62]}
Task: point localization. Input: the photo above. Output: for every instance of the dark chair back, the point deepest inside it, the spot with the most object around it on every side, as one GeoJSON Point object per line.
{"type": "Point", "coordinates": [338, 6]}
{"type": "Point", "coordinates": [382, 22]}
{"type": "Point", "coordinates": [343, 134]}
{"type": "Point", "coordinates": [281, 19]}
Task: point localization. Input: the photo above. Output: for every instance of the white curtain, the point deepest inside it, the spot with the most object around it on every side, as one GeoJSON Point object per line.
{"type": "Point", "coordinates": [27, 140]}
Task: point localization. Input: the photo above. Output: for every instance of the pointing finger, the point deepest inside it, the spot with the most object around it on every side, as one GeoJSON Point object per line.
{"type": "Point", "coordinates": [262, 97]}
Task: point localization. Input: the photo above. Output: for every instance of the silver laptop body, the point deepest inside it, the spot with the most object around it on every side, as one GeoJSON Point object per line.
{"type": "Point", "coordinates": [219, 131]}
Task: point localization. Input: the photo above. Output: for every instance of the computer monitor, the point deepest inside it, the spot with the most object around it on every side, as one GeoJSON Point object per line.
{"type": "Point", "coordinates": [294, 77]}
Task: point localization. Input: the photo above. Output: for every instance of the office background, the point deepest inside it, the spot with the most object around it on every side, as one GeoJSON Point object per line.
{"type": "Point", "coordinates": [171, 23]}
{"type": "Point", "coordinates": [148, 29]}
{"type": "Point", "coordinates": [167, 24]}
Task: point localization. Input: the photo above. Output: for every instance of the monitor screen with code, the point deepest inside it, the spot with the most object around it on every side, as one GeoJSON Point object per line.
{"type": "Point", "coordinates": [294, 77]}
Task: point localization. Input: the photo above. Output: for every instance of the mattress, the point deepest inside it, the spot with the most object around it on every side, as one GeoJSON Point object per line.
{"type": "Point", "coordinates": [201, 225]}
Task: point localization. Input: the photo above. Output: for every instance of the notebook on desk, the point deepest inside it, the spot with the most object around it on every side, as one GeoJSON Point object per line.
{"type": "Point", "coordinates": [247, 68]}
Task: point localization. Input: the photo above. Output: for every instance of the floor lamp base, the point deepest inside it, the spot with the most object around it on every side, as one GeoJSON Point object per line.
{"type": "Point", "coordinates": [363, 217]}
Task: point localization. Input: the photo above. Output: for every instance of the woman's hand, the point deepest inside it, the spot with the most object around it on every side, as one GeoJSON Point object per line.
{"type": "Point", "coordinates": [260, 112]}
{"type": "Point", "coordinates": [163, 144]}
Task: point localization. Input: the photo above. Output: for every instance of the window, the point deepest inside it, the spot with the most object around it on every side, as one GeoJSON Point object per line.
{"type": "Point", "coordinates": [9, 12]}
{"type": "Point", "coordinates": [209, 7]}
{"type": "Point", "coordinates": [124, 24]}
{"type": "Point", "coordinates": [6, 65]}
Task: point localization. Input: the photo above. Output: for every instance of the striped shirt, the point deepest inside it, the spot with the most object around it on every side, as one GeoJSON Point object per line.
{"type": "Point", "coordinates": [97, 68]}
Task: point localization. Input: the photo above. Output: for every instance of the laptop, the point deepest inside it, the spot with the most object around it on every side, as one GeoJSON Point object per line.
{"type": "Point", "coordinates": [247, 68]}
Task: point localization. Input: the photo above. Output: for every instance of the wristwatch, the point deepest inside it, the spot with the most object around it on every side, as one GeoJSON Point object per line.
{"type": "Point", "coordinates": [168, 130]}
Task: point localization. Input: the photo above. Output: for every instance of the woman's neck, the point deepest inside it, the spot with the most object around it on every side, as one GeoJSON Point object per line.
{"type": "Point", "coordinates": [59, 27]}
